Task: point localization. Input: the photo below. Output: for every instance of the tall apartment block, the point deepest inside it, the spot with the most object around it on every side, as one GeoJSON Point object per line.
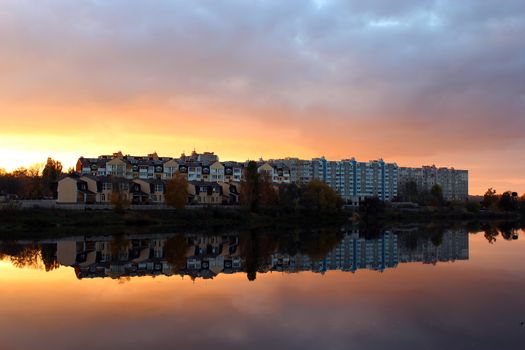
{"type": "Point", "coordinates": [353, 180]}
{"type": "Point", "coordinates": [453, 182]}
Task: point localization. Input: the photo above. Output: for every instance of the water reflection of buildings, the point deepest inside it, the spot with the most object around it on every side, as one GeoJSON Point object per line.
{"type": "Point", "coordinates": [352, 253]}
{"type": "Point", "coordinates": [355, 252]}
{"type": "Point", "coordinates": [192, 255]}
{"type": "Point", "coordinates": [453, 246]}
{"type": "Point", "coordinates": [204, 256]}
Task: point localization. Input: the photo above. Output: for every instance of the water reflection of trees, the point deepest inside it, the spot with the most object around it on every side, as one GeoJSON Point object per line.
{"type": "Point", "coordinates": [39, 256]}
{"type": "Point", "coordinates": [175, 251]}
{"type": "Point", "coordinates": [508, 230]}
{"type": "Point", "coordinates": [411, 239]}
{"type": "Point", "coordinates": [257, 246]}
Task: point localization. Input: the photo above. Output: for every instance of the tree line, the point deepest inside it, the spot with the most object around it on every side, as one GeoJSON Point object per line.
{"type": "Point", "coordinates": [258, 193]}
{"type": "Point", "coordinates": [434, 197]}
{"type": "Point", "coordinates": [507, 201]}
{"type": "Point", "coordinates": [36, 182]}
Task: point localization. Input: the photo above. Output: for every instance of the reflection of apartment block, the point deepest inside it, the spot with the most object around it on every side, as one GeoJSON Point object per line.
{"type": "Point", "coordinates": [351, 254]}
{"type": "Point", "coordinates": [453, 246]}
{"type": "Point", "coordinates": [453, 182]}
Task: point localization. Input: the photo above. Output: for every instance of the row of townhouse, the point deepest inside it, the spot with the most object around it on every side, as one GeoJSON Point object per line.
{"type": "Point", "coordinates": [163, 168]}
{"type": "Point", "coordinates": [352, 179]}
{"type": "Point", "coordinates": [453, 182]}
{"type": "Point", "coordinates": [89, 189]}
{"type": "Point", "coordinates": [197, 167]}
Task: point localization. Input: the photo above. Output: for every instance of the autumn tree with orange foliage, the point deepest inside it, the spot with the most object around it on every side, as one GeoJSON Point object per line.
{"type": "Point", "coordinates": [268, 194]}
{"type": "Point", "coordinates": [250, 196]}
{"type": "Point", "coordinates": [177, 191]}
{"type": "Point", "coordinates": [119, 198]}
{"type": "Point", "coordinates": [175, 251]}
{"type": "Point", "coordinates": [320, 198]}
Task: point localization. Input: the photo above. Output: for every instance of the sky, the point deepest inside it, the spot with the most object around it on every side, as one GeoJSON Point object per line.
{"type": "Point", "coordinates": [411, 81]}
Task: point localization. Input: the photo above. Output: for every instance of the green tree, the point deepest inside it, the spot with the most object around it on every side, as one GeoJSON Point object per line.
{"type": "Point", "coordinates": [473, 206]}
{"type": "Point", "coordinates": [507, 202]}
{"type": "Point", "coordinates": [250, 196]}
{"type": "Point", "coordinates": [490, 198]}
{"type": "Point", "coordinates": [119, 199]}
{"type": "Point", "coordinates": [289, 197]}
{"type": "Point", "coordinates": [521, 203]}
{"type": "Point", "coordinates": [50, 176]}
{"type": "Point", "coordinates": [177, 191]}
{"type": "Point", "coordinates": [268, 193]}
{"type": "Point", "coordinates": [411, 191]}
{"type": "Point", "coordinates": [371, 207]}
{"type": "Point", "coordinates": [437, 195]}
{"type": "Point", "coordinates": [320, 198]}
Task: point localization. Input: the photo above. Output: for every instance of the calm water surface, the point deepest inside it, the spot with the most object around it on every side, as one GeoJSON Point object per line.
{"type": "Point", "coordinates": [452, 290]}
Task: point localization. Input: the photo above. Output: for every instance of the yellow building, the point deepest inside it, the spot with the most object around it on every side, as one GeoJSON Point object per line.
{"type": "Point", "coordinates": [75, 190]}
{"type": "Point", "coordinates": [205, 192]}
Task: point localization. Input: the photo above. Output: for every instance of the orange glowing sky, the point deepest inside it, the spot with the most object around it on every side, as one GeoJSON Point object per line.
{"type": "Point", "coordinates": [413, 83]}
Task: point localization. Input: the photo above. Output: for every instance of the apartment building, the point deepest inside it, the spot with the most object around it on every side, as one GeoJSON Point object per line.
{"type": "Point", "coordinates": [453, 182]}
{"type": "Point", "coordinates": [355, 181]}
{"type": "Point", "coordinates": [276, 171]}
{"type": "Point", "coordinates": [351, 179]}
{"type": "Point", "coordinates": [301, 171]}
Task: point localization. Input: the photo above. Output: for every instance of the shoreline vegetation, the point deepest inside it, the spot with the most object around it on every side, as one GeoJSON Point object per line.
{"type": "Point", "coordinates": [38, 223]}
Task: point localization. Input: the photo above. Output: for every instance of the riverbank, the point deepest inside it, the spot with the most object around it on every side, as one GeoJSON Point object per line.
{"type": "Point", "coordinates": [432, 214]}
{"type": "Point", "coordinates": [51, 222]}
{"type": "Point", "coordinates": [40, 222]}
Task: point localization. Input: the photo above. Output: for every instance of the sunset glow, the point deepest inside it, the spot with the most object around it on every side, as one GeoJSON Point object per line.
{"type": "Point", "coordinates": [418, 83]}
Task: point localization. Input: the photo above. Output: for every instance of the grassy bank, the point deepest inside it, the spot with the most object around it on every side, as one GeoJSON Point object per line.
{"type": "Point", "coordinates": [430, 214]}
{"type": "Point", "coordinates": [40, 223]}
